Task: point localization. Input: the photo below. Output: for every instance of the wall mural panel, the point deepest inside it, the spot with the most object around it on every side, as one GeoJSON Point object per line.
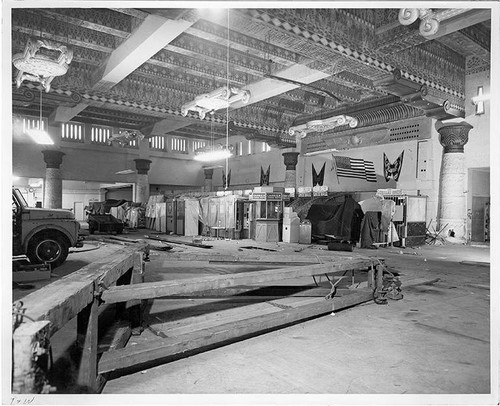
{"type": "Point", "coordinates": [393, 170]}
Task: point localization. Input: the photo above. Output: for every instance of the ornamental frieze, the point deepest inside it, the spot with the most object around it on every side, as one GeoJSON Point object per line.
{"type": "Point", "coordinates": [317, 47]}
{"type": "Point", "coordinates": [101, 17]}
{"type": "Point", "coordinates": [332, 24]}
{"type": "Point", "coordinates": [266, 49]}
{"type": "Point", "coordinates": [397, 39]}
{"type": "Point", "coordinates": [219, 53]}
{"type": "Point", "coordinates": [476, 65]}
{"type": "Point", "coordinates": [37, 24]}
{"type": "Point", "coordinates": [385, 16]}
{"type": "Point", "coordinates": [198, 67]}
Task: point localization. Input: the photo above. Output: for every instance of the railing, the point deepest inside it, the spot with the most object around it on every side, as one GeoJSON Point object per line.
{"type": "Point", "coordinates": [44, 312]}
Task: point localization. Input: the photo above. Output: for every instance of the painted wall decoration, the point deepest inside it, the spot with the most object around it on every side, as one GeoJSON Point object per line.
{"type": "Point", "coordinates": [354, 168]}
{"type": "Point", "coordinates": [318, 178]}
{"type": "Point", "coordinates": [264, 176]}
{"type": "Point", "coordinates": [393, 170]}
{"type": "Point", "coordinates": [226, 179]}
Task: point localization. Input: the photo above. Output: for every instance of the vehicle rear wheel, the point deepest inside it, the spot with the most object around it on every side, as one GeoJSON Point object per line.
{"type": "Point", "coordinates": [48, 248]}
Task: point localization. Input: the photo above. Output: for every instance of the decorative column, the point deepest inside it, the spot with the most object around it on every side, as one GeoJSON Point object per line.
{"type": "Point", "coordinates": [142, 181]}
{"type": "Point", "coordinates": [291, 159]}
{"type": "Point", "coordinates": [53, 179]}
{"type": "Point", "coordinates": [452, 200]}
{"type": "Point", "coordinates": [208, 180]}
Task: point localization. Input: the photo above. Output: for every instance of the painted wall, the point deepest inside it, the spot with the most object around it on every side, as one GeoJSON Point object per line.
{"type": "Point", "coordinates": [88, 162]}
{"type": "Point", "coordinates": [245, 169]}
{"type": "Point", "coordinates": [477, 155]}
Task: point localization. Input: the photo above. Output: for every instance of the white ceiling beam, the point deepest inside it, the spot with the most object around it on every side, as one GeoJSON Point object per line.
{"type": "Point", "coordinates": [150, 37]}
{"type": "Point", "coordinates": [154, 33]}
{"type": "Point", "coordinates": [268, 87]}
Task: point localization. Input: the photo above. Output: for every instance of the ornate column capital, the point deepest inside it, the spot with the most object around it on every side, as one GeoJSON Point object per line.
{"type": "Point", "coordinates": [53, 158]}
{"type": "Point", "coordinates": [290, 159]}
{"type": "Point", "coordinates": [454, 136]}
{"type": "Point", "coordinates": [208, 173]}
{"type": "Point", "coordinates": [142, 166]}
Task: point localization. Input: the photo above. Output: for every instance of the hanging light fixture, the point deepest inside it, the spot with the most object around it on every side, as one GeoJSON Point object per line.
{"type": "Point", "coordinates": [39, 135]}
{"type": "Point", "coordinates": [323, 125]}
{"type": "Point", "coordinates": [216, 153]}
{"type": "Point", "coordinates": [220, 98]}
{"type": "Point", "coordinates": [37, 66]}
{"type": "Point", "coordinates": [212, 152]}
{"type": "Point", "coordinates": [42, 60]}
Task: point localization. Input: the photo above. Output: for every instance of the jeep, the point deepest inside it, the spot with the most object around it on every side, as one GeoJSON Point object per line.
{"type": "Point", "coordinates": [43, 235]}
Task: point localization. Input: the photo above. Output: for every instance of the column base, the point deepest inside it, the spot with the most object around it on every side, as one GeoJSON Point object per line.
{"type": "Point", "coordinates": [455, 229]}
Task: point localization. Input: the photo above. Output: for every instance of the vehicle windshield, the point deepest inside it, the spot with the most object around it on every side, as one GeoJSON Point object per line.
{"type": "Point", "coordinates": [20, 197]}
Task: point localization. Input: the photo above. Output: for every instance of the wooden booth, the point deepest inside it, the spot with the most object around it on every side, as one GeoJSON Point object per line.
{"type": "Point", "coordinates": [268, 213]}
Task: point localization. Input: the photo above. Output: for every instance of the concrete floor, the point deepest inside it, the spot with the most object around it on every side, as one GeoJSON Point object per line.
{"type": "Point", "coordinates": [434, 341]}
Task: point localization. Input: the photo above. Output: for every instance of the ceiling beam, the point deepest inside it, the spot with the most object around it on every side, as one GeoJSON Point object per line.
{"type": "Point", "coordinates": [149, 38]}
{"type": "Point", "coordinates": [460, 22]}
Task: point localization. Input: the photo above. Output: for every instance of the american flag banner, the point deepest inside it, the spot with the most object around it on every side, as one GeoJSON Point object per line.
{"type": "Point", "coordinates": [354, 168]}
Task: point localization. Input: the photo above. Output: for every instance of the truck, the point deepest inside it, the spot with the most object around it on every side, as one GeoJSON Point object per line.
{"type": "Point", "coordinates": [43, 235]}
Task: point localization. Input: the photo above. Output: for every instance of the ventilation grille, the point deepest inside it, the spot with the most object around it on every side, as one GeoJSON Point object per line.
{"type": "Point", "coordinates": [403, 133]}
{"type": "Point", "coordinates": [72, 132]}
{"type": "Point", "coordinates": [158, 143]}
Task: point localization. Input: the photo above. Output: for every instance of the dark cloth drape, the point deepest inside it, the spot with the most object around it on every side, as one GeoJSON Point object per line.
{"type": "Point", "coordinates": [371, 228]}
{"type": "Point", "coordinates": [341, 219]}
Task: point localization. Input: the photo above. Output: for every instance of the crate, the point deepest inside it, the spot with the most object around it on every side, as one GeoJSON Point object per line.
{"type": "Point", "coordinates": [104, 223]}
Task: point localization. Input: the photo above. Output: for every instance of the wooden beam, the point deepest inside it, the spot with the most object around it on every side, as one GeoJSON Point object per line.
{"type": "Point", "coordinates": [154, 352]}
{"type": "Point", "coordinates": [86, 338]}
{"type": "Point", "coordinates": [26, 375]}
{"type": "Point", "coordinates": [176, 287]}
{"type": "Point", "coordinates": [63, 299]}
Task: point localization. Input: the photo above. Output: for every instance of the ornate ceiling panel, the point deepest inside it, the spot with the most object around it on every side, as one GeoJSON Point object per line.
{"type": "Point", "coordinates": [300, 64]}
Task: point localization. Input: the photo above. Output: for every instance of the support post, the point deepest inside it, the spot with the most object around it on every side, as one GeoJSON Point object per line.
{"type": "Point", "coordinates": [53, 179]}
{"type": "Point", "coordinates": [290, 160]}
{"type": "Point", "coordinates": [142, 181]}
{"type": "Point", "coordinates": [452, 199]}
{"type": "Point", "coordinates": [30, 343]}
{"type": "Point", "coordinates": [86, 341]}
{"type": "Point", "coordinates": [135, 306]}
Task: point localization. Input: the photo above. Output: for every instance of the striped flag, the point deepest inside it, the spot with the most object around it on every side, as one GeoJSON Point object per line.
{"type": "Point", "coordinates": [354, 168]}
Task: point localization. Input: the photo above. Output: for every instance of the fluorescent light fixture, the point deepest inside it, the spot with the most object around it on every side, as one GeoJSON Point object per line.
{"type": "Point", "coordinates": [40, 137]}
{"type": "Point", "coordinates": [125, 172]}
{"type": "Point", "coordinates": [213, 155]}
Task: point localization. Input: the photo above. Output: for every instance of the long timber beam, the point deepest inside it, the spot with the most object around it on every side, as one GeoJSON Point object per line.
{"type": "Point", "coordinates": [151, 290]}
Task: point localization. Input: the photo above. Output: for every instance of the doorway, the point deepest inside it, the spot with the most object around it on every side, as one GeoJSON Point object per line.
{"type": "Point", "coordinates": [78, 210]}
{"type": "Point", "coordinates": [480, 221]}
{"type": "Point", "coordinates": [479, 204]}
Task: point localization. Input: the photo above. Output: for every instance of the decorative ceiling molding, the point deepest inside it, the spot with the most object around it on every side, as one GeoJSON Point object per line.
{"type": "Point", "coordinates": [429, 20]}
{"type": "Point", "coordinates": [343, 52]}
{"type": "Point", "coordinates": [275, 140]}
{"type": "Point", "coordinates": [417, 95]}
{"type": "Point", "coordinates": [476, 65]}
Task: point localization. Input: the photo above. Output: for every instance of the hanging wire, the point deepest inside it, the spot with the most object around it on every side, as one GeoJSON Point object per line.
{"type": "Point", "coordinates": [40, 124]}
{"type": "Point", "coordinates": [227, 108]}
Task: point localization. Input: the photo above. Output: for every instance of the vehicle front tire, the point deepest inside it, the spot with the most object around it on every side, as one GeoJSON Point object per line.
{"type": "Point", "coordinates": [48, 248]}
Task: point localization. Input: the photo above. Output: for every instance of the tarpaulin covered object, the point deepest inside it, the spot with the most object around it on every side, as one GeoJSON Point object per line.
{"type": "Point", "coordinates": [341, 219]}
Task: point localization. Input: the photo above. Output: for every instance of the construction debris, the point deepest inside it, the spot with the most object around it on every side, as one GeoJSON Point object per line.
{"type": "Point", "coordinates": [191, 244]}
